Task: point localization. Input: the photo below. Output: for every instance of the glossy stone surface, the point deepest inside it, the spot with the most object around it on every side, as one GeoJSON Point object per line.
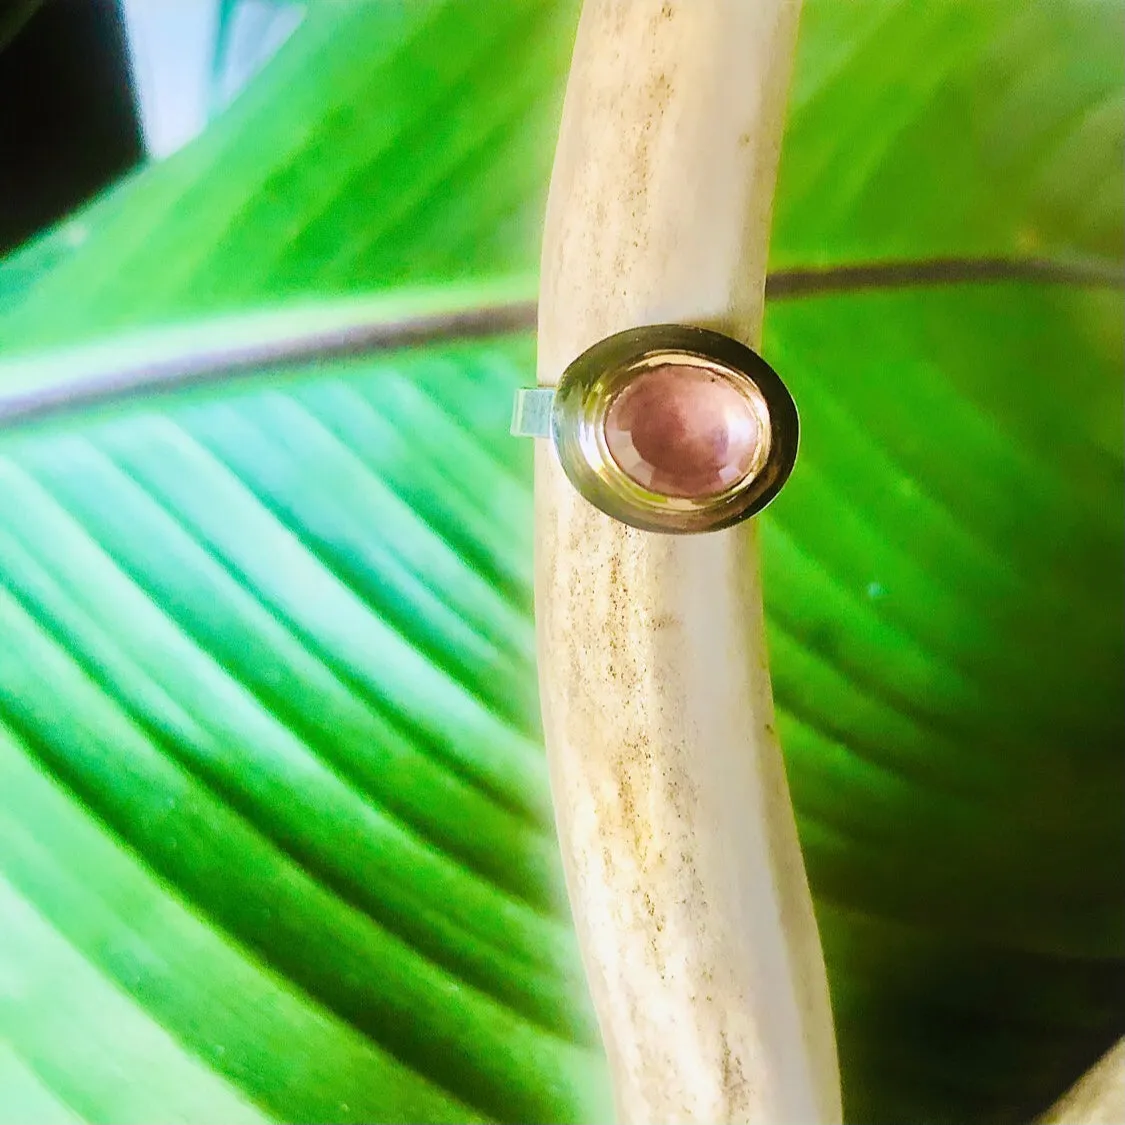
{"type": "Point", "coordinates": [682, 431]}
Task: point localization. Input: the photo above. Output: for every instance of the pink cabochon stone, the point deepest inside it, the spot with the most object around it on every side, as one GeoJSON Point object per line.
{"type": "Point", "coordinates": [682, 431]}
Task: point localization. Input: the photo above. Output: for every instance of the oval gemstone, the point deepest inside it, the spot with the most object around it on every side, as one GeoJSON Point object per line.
{"type": "Point", "coordinates": [683, 431]}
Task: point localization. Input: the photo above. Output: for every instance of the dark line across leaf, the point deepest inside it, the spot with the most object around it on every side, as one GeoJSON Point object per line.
{"type": "Point", "coordinates": [791, 283]}
{"type": "Point", "coordinates": [203, 364]}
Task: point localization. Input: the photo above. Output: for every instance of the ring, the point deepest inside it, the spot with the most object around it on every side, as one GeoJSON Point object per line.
{"type": "Point", "coordinates": [668, 428]}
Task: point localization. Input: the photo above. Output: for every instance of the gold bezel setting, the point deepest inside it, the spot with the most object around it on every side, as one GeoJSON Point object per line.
{"type": "Point", "coordinates": [591, 384]}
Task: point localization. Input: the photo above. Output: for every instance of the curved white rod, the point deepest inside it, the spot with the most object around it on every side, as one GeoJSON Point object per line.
{"type": "Point", "coordinates": [1098, 1097]}
{"type": "Point", "coordinates": [683, 867]}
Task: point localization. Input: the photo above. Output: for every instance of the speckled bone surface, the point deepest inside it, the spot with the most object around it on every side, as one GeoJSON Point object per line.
{"type": "Point", "coordinates": [677, 833]}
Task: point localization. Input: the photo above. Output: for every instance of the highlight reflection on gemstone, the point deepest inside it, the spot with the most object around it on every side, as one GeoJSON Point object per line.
{"type": "Point", "coordinates": [683, 431]}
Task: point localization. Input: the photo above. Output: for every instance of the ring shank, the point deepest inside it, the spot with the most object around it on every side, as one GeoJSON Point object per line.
{"type": "Point", "coordinates": [531, 413]}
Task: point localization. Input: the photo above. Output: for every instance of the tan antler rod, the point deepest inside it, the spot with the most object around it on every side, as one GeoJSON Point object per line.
{"type": "Point", "coordinates": [677, 831]}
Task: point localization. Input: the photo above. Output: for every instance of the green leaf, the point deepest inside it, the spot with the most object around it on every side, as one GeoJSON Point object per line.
{"type": "Point", "coordinates": [385, 144]}
{"type": "Point", "coordinates": [275, 837]}
{"type": "Point", "coordinates": [306, 737]}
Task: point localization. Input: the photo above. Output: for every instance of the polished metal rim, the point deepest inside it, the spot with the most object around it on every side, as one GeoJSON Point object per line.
{"type": "Point", "coordinates": [574, 416]}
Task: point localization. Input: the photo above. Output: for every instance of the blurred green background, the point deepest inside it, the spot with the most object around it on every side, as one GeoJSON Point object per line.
{"type": "Point", "coordinates": [275, 836]}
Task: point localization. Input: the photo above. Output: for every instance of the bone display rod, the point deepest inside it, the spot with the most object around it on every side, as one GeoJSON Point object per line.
{"type": "Point", "coordinates": [682, 862]}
